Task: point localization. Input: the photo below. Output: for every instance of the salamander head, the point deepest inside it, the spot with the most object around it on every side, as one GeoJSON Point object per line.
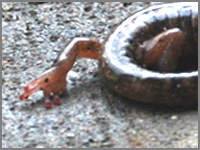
{"type": "Point", "coordinates": [51, 81]}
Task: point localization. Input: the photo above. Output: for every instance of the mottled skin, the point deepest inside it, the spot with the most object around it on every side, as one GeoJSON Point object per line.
{"type": "Point", "coordinates": [157, 38]}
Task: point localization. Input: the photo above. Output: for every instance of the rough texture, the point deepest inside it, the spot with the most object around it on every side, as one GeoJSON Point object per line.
{"type": "Point", "coordinates": [91, 116]}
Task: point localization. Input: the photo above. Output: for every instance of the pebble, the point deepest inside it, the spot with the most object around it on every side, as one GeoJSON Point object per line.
{"type": "Point", "coordinates": [174, 117]}
{"type": "Point", "coordinates": [70, 135]}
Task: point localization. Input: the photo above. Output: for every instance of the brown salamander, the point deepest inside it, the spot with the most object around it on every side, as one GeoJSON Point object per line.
{"type": "Point", "coordinates": [150, 57]}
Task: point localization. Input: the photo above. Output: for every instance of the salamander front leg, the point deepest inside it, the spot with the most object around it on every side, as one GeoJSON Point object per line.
{"type": "Point", "coordinates": [47, 102]}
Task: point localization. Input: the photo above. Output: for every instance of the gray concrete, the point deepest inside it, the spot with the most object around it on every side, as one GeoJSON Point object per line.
{"type": "Point", "coordinates": [91, 115]}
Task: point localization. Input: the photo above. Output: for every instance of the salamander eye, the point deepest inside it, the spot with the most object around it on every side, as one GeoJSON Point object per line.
{"type": "Point", "coordinates": [46, 80]}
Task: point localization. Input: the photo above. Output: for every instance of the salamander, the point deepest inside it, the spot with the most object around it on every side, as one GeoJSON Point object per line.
{"type": "Point", "coordinates": [151, 57]}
